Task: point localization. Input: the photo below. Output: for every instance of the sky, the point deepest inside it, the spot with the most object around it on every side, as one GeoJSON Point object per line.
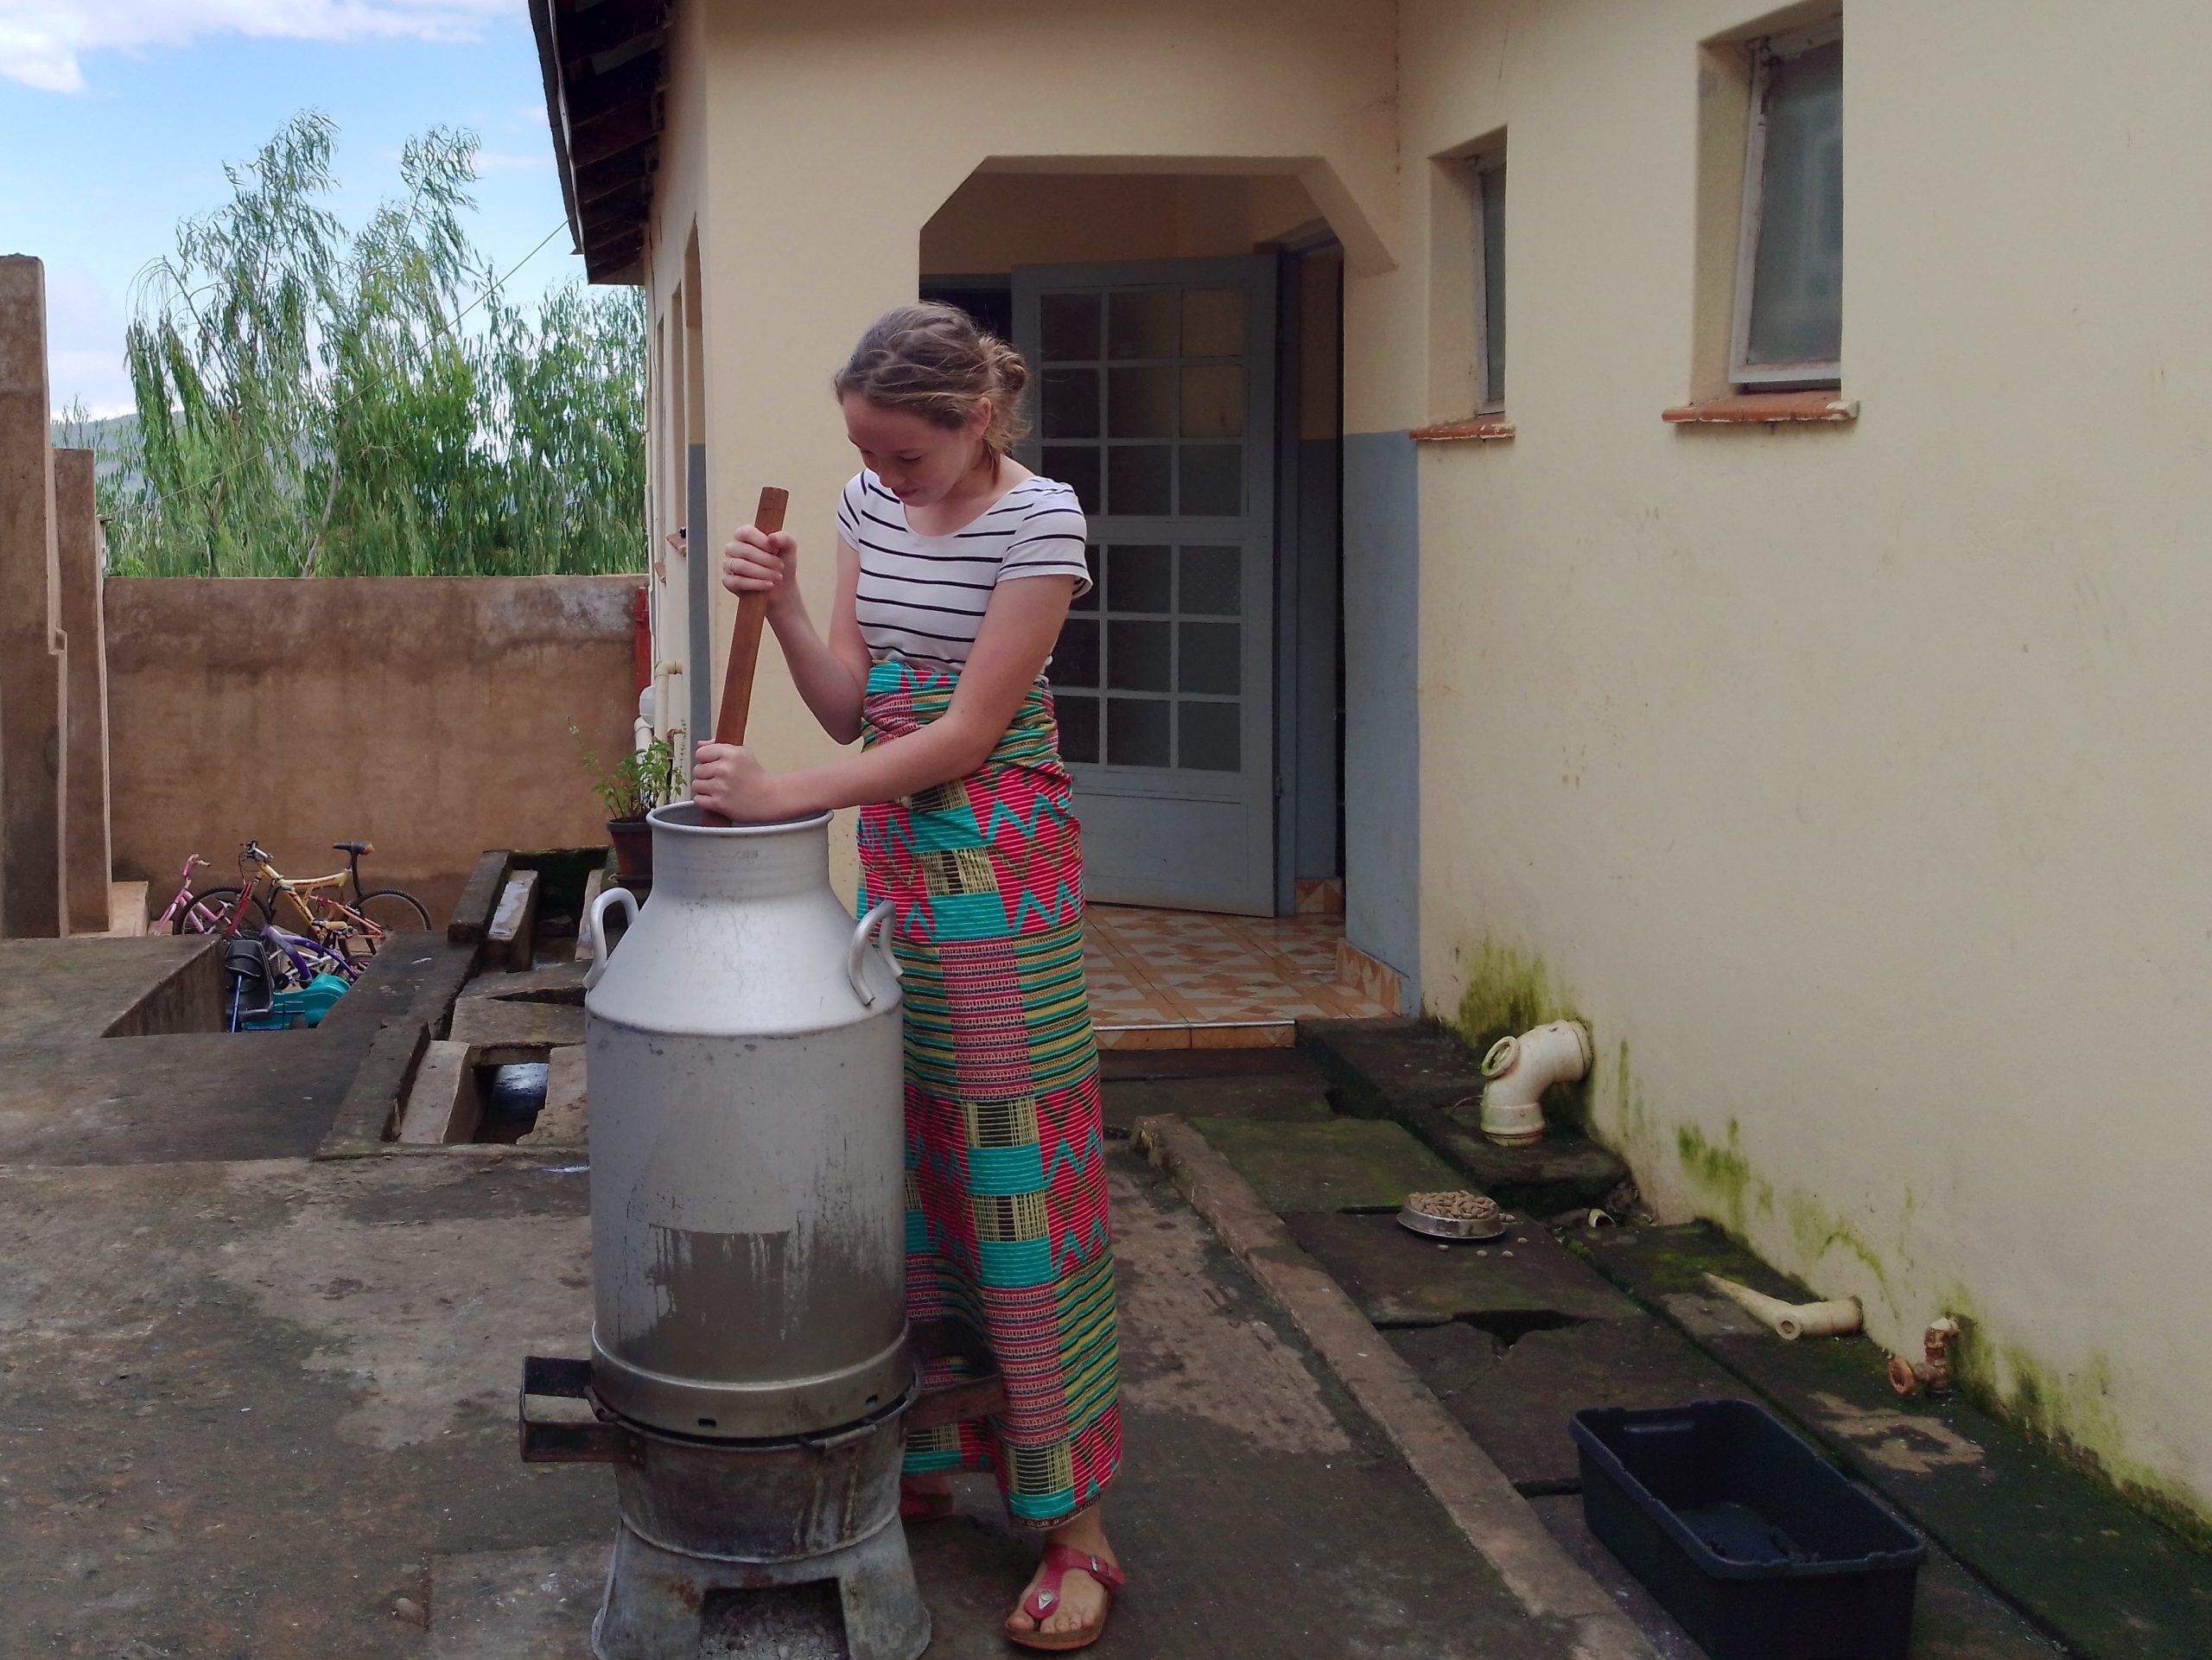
{"type": "Point", "coordinates": [116, 117]}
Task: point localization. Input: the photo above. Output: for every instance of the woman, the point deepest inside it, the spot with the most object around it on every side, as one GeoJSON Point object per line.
{"type": "Point", "coordinates": [956, 567]}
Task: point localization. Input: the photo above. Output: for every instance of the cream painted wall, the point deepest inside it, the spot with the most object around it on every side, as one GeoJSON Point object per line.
{"type": "Point", "coordinates": [1842, 778]}
{"type": "Point", "coordinates": [995, 221]}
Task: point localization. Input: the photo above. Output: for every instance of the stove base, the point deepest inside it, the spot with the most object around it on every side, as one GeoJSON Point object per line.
{"type": "Point", "coordinates": [657, 1602]}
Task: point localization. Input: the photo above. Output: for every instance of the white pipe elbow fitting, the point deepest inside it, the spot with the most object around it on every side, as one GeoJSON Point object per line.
{"type": "Point", "coordinates": [1520, 1069]}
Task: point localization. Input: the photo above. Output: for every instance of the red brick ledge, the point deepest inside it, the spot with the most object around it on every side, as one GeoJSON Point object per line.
{"type": "Point", "coordinates": [1764, 409]}
{"type": "Point", "coordinates": [1490, 430]}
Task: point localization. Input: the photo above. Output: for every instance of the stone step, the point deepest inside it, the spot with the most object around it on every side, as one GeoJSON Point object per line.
{"type": "Point", "coordinates": [126, 911]}
{"type": "Point", "coordinates": [503, 1032]}
{"type": "Point", "coordinates": [1341, 1164]}
{"type": "Point", "coordinates": [563, 1120]}
{"type": "Point", "coordinates": [1422, 1077]}
{"type": "Point", "coordinates": [1272, 1097]}
{"type": "Point", "coordinates": [2105, 1578]}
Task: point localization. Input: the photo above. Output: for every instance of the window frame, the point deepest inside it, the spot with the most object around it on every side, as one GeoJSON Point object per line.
{"type": "Point", "coordinates": [1480, 170]}
{"type": "Point", "coordinates": [1811, 375]}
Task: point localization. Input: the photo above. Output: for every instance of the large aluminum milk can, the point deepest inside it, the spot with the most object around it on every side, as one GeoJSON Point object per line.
{"type": "Point", "coordinates": [748, 1148]}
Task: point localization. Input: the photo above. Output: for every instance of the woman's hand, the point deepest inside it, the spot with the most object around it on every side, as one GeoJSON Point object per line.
{"type": "Point", "coordinates": [727, 779]}
{"type": "Point", "coordinates": [756, 562]}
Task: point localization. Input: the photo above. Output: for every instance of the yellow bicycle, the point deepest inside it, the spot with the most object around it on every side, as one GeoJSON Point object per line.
{"type": "Point", "coordinates": [316, 906]}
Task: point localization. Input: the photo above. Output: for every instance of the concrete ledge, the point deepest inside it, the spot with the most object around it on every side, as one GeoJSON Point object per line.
{"type": "Point", "coordinates": [1474, 1492]}
{"type": "Point", "coordinates": [471, 912]}
{"type": "Point", "coordinates": [67, 991]}
{"type": "Point", "coordinates": [442, 1104]}
{"type": "Point", "coordinates": [502, 1031]}
{"type": "Point", "coordinates": [370, 1111]}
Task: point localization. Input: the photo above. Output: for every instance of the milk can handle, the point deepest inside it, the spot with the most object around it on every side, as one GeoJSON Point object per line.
{"type": "Point", "coordinates": [875, 920]}
{"type": "Point", "coordinates": [597, 930]}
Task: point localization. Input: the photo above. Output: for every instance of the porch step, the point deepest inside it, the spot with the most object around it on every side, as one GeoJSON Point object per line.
{"type": "Point", "coordinates": [126, 911]}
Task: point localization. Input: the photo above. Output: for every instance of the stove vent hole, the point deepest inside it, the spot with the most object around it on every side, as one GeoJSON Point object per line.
{"type": "Point", "coordinates": [706, 1423]}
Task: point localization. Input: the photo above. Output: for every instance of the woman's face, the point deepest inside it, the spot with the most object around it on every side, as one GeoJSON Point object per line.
{"type": "Point", "coordinates": [920, 463]}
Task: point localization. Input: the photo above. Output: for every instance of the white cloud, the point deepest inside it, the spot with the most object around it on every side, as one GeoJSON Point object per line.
{"type": "Point", "coordinates": [40, 40]}
{"type": "Point", "coordinates": [502, 161]}
{"type": "Point", "coordinates": [84, 338]}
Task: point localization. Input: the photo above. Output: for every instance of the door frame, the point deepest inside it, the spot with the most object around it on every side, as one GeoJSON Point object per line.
{"type": "Point", "coordinates": [1260, 276]}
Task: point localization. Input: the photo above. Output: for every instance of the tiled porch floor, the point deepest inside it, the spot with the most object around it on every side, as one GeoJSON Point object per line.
{"type": "Point", "coordinates": [1185, 979]}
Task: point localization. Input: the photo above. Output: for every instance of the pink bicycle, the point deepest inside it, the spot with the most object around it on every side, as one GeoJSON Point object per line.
{"type": "Point", "coordinates": [186, 914]}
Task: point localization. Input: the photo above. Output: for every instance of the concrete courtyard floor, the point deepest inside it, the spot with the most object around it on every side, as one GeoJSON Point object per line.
{"type": "Point", "coordinates": [266, 1409]}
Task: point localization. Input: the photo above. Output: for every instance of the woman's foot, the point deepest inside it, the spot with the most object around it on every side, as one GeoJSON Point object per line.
{"type": "Point", "coordinates": [1081, 1602]}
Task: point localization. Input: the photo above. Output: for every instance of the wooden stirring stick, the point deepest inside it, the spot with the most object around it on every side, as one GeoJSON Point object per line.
{"type": "Point", "coordinates": [744, 641]}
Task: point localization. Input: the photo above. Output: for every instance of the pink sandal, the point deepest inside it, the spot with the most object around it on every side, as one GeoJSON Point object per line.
{"type": "Point", "coordinates": [1060, 1560]}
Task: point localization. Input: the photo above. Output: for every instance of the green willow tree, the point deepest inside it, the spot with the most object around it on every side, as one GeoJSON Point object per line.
{"type": "Point", "coordinates": [313, 401]}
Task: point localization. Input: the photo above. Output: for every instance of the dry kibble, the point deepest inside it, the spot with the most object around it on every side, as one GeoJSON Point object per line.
{"type": "Point", "coordinates": [1457, 1207]}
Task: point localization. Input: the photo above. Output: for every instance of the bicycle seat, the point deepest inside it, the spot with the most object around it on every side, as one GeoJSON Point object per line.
{"type": "Point", "coordinates": [357, 848]}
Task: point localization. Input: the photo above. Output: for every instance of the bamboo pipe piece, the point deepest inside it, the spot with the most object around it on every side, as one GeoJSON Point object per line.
{"type": "Point", "coordinates": [744, 641]}
{"type": "Point", "coordinates": [1792, 1320]}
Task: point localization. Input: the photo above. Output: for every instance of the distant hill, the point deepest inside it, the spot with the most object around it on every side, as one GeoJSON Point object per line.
{"type": "Point", "coordinates": [115, 438]}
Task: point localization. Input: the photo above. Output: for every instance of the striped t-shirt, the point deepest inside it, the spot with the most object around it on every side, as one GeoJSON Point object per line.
{"type": "Point", "coordinates": [922, 597]}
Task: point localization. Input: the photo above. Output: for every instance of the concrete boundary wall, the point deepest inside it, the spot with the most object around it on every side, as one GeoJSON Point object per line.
{"type": "Point", "coordinates": [428, 715]}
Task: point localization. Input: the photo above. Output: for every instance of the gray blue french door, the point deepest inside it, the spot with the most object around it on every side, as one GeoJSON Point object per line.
{"type": "Point", "coordinates": [1155, 399]}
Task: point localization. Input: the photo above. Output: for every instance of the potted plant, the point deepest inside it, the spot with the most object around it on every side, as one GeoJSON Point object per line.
{"type": "Point", "coordinates": [633, 786]}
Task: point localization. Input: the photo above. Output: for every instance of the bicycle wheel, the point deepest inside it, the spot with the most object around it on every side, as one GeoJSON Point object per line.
{"type": "Point", "coordinates": [311, 957]}
{"type": "Point", "coordinates": [209, 912]}
{"type": "Point", "coordinates": [394, 912]}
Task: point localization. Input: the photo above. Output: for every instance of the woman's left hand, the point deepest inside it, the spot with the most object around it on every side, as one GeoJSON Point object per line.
{"type": "Point", "coordinates": [727, 779]}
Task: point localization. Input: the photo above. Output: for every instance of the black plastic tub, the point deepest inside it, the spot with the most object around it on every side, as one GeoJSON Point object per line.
{"type": "Point", "coordinates": [1754, 1541]}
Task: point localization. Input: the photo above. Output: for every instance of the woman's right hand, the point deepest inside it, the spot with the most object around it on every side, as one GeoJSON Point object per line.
{"type": "Point", "coordinates": [754, 561]}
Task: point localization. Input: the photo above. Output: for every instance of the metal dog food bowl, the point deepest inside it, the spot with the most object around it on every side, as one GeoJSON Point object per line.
{"type": "Point", "coordinates": [1487, 1225]}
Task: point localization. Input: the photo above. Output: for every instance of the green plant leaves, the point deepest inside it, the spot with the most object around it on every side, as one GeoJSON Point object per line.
{"type": "Point", "coordinates": [313, 401]}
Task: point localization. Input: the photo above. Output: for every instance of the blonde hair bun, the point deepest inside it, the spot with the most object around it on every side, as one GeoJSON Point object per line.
{"type": "Point", "coordinates": [930, 359]}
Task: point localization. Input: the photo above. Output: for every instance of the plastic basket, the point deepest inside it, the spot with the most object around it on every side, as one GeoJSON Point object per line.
{"type": "Point", "coordinates": [1754, 1542]}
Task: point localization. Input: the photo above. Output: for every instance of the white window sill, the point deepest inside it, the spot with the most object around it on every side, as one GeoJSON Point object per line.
{"type": "Point", "coordinates": [1765, 408]}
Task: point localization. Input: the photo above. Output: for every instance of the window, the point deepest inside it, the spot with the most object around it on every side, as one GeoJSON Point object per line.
{"type": "Point", "coordinates": [1490, 285]}
{"type": "Point", "coordinates": [1789, 311]}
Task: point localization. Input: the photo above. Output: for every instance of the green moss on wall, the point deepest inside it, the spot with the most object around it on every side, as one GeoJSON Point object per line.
{"type": "Point", "coordinates": [1723, 1176]}
{"type": "Point", "coordinates": [2072, 1413]}
{"type": "Point", "coordinates": [1509, 991]}
{"type": "Point", "coordinates": [1816, 1231]}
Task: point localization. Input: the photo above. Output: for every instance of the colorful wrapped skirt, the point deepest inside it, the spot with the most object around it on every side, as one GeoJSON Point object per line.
{"type": "Point", "coordinates": [1006, 1181]}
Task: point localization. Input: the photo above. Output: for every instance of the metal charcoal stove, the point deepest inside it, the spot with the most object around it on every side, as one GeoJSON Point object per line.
{"type": "Point", "coordinates": [792, 1548]}
{"type": "Point", "coordinates": [752, 1379]}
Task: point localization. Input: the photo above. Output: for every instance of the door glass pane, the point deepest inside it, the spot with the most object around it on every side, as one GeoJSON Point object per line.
{"type": "Point", "coordinates": [1210, 657]}
{"type": "Point", "coordinates": [1213, 323]}
{"type": "Point", "coordinates": [1075, 659]}
{"type": "Point", "coordinates": [1070, 404]}
{"type": "Point", "coordinates": [1136, 479]}
{"type": "Point", "coordinates": [1210, 737]}
{"type": "Point", "coordinates": [1067, 327]}
{"type": "Point", "coordinates": [1797, 275]}
{"type": "Point", "coordinates": [1213, 401]}
{"type": "Point", "coordinates": [1213, 479]}
{"type": "Point", "coordinates": [1137, 579]}
{"type": "Point", "coordinates": [1212, 582]}
{"type": "Point", "coordinates": [1136, 731]}
{"type": "Point", "coordinates": [1492, 182]}
{"type": "Point", "coordinates": [1077, 466]}
{"type": "Point", "coordinates": [1079, 718]}
{"type": "Point", "coordinates": [1139, 656]}
{"type": "Point", "coordinates": [1140, 402]}
{"type": "Point", "coordinates": [1141, 323]}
